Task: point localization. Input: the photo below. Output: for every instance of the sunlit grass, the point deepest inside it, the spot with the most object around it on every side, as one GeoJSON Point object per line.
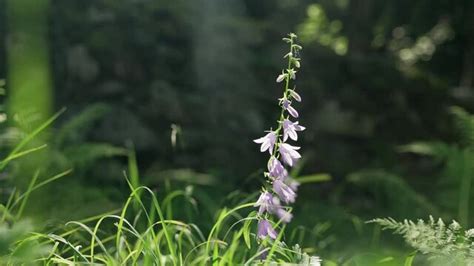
{"type": "Point", "coordinates": [142, 232]}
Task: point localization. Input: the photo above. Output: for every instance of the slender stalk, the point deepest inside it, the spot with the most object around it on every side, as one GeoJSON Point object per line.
{"type": "Point", "coordinates": [464, 190]}
{"type": "Point", "coordinates": [285, 96]}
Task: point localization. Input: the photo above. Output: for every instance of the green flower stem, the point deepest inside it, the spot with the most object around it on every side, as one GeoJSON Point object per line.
{"type": "Point", "coordinates": [285, 96]}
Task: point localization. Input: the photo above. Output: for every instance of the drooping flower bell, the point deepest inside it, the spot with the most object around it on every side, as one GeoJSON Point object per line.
{"type": "Point", "coordinates": [265, 203]}
{"type": "Point", "coordinates": [293, 184]}
{"type": "Point", "coordinates": [284, 215]}
{"type": "Point", "coordinates": [267, 142]}
{"type": "Point", "coordinates": [287, 106]}
{"type": "Point", "coordinates": [295, 95]}
{"type": "Point", "coordinates": [290, 128]}
{"type": "Point", "coordinates": [281, 77]}
{"type": "Point", "coordinates": [284, 192]}
{"type": "Point", "coordinates": [289, 153]}
{"type": "Point", "coordinates": [265, 229]}
{"type": "Point", "coordinates": [276, 169]}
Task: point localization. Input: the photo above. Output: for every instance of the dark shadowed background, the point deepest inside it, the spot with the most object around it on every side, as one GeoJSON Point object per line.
{"type": "Point", "coordinates": [187, 85]}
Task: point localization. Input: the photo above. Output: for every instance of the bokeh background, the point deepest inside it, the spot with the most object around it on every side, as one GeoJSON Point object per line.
{"type": "Point", "coordinates": [187, 85]}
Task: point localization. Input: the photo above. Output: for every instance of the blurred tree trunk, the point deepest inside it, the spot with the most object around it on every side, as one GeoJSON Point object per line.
{"type": "Point", "coordinates": [467, 77]}
{"type": "Point", "coordinates": [28, 78]}
{"type": "Point", "coordinates": [28, 66]}
{"type": "Point", "coordinates": [360, 27]}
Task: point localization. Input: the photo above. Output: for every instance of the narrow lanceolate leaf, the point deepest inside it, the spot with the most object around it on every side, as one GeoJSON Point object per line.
{"type": "Point", "coordinates": [314, 178]}
{"type": "Point", "coordinates": [246, 233]}
{"type": "Point", "coordinates": [30, 137]}
{"type": "Point", "coordinates": [409, 259]}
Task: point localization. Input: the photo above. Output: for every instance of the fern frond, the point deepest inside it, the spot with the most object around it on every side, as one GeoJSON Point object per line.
{"type": "Point", "coordinates": [433, 237]}
{"type": "Point", "coordinates": [464, 123]}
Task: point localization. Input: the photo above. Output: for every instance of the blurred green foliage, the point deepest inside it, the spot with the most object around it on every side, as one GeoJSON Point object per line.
{"type": "Point", "coordinates": [188, 84]}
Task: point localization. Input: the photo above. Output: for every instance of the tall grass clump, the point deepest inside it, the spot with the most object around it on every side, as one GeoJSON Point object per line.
{"type": "Point", "coordinates": [17, 244]}
{"type": "Point", "coordinates": [143, 236]}
{"type": "Point", "coordinates": [140, 234]}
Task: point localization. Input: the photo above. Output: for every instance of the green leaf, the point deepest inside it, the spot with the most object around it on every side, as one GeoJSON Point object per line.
{"type": "Point", "coordinates": [30, 137]}
{"type": "Point", "coordinates": [246, 231]}
{"type": "Point", "coordinates": [409, 259]}
{"type": "Point", "coordinates": [464, 123]}
{"type": "Point", "coordinates": [314, 178]}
